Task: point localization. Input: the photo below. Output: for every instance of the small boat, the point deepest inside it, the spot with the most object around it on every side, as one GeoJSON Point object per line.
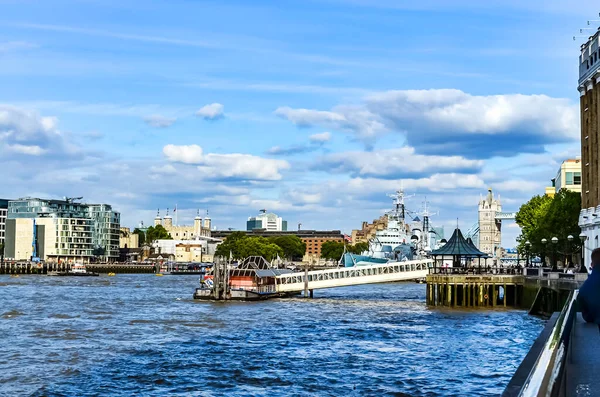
{"type": "Point", "coordinates": [78, 270]}
{"type": "Point", "coordinates": [159, 274]}
{"type": "Point", "coordinates": [14, 275]}
{"type": "Point", "coordinates": [111, 274]}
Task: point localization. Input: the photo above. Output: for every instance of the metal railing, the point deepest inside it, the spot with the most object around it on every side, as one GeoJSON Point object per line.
{"type": "Point", "coordinates": [546, 377]}
{"type": "Point", "coordinates": [357, 271]}
{"type": "Point", "coordinates": [477, 271]}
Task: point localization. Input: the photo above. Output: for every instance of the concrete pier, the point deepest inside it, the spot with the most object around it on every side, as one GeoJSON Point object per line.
{"type": "Point", "coordinates": [44, 268]}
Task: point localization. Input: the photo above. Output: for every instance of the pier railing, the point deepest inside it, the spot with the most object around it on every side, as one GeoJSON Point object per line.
{"type": "Point", "coordinates": [545, 376]}
{"type": "Point", "coordinates": [346, 276]}
{"type": "Point", "coordinates": [476, 270]}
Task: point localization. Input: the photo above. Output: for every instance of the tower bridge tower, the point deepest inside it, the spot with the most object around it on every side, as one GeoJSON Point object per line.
{"type": "Point", "coordinates": [490, 227]}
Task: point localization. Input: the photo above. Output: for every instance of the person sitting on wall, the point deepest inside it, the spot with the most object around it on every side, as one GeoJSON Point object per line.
{"type": "Point", "coordinates": [589, 293]}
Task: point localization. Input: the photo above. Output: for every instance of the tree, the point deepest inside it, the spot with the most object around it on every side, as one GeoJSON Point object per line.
{"type": "Point", "coordinates": [358, 248]}
{"type": "Point", "coordinates": [231, 245]}
{"type": "Point", "coordinates": [141, 236]}
{"type": "Point", "coordinates": [293, 247]}
{"type": "Point", "coordinates": [258, 246]}
{"type": "Point", "coordinates": [529, 218]}
{"type": "Point", "coordinates": [157, 232]}
{"type": "Point", "coordinates": [547, 217]}
{"type": "Point", "coordinates": [332, 250]}
{"type": "Point", "coordinates": [2, 252]}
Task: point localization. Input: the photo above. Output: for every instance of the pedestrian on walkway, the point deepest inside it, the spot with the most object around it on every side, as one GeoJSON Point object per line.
{"type": "Point", "coordinates": [589, 293]}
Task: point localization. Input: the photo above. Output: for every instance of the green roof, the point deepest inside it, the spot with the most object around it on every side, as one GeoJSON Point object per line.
{"type": "Point", "coordinates": [459, 246]}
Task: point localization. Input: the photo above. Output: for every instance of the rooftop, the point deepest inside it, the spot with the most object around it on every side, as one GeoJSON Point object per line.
{"type": "Point", "coordinates": [459, 246]}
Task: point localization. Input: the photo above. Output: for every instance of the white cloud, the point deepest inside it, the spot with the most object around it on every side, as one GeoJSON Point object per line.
{"type": "Point", "coordinates": [451, 121]}
{"type": "Point", "coordinates": [320, 138]}
{"type": "Point", "coordinates": [243, 166]}
{"type": "Point", "coordinates": [355, 119]}
{"type": "Point", "coordinates": [26, 132]}
{"type": "Point", "coordinates": [187, 154]}
{"type": "Point", "coordinates": [158, 121]}
{"type": "Point", "coordinates": [434, 183]}
{"type": "Point", "coordinates": [228, 166]}
{"type": "Point", "coordinates": [214, 111]}
{"type": "Point", "coordinates": [394, 163]}
{"type": "Point", "coordinates": [166, 169]}
{"type": "Point", "coordinates": [32, 150]}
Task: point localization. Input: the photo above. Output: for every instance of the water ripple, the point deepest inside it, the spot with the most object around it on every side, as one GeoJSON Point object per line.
{"type": "Point", "coordinates": [143, 335]}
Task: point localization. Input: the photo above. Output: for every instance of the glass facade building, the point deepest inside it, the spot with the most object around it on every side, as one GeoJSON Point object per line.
{"type": "Point", "coordinates": [65, 229]}
{"type": "Point", "coordinates": [3, 213]}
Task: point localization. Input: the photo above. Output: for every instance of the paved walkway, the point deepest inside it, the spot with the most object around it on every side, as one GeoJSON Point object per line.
{"type": "Point", "coordinates": [583, 372]}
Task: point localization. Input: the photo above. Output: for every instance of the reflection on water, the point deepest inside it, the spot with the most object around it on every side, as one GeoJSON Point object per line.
{"type": "Point", "coordinates": [104, 336]}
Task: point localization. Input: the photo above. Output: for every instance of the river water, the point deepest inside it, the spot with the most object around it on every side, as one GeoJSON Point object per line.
{"type": "Point", "coordinates": [143, 335]}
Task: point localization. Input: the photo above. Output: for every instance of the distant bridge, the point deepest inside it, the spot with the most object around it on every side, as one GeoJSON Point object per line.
{"type": "Point", "coordinates": [473, 232]}
{"type": "Point", "coordinates": [357, 275]}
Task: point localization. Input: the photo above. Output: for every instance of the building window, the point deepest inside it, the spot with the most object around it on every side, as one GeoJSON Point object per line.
{"type": "Point", "coordinates": [568, 178]}
{"type": "Point", "coordinates": [577, 178]}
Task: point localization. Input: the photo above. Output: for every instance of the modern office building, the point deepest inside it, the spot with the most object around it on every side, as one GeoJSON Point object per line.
{"type": "Point", "coordinates": [589, 91]}
{"type": "Point", "coordinates": [61, 230]}
{"type": "Point", "coordinates": [267, 221]}
{"type": "Point", "coordinates": [568, 176]}
{"type": "Point", "coordinates": [3, 212]}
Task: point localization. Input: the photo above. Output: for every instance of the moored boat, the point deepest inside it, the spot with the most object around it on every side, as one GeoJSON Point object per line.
{"type": "Point", "coordinates": [77, 270]}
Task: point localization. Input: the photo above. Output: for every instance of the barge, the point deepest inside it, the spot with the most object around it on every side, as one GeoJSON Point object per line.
{"type": "Point", "coordinates": [253, 279]}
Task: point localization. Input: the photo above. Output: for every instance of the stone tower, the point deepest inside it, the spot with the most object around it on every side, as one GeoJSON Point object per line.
{"type": "Point", "coordinates": [157, 220]}
{"type": "Point", "coordinates": [197, 225]}
{"type": "Point", "coordinates": [207, 221]}
{"type": "Point", "coordinates": [168, 221]}
{"type": "Point", "coordinates": [490, 233]}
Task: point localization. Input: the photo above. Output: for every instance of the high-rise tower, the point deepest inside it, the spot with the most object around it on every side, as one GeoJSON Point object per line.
{"type": "Point", "coordinates": [589, 91]}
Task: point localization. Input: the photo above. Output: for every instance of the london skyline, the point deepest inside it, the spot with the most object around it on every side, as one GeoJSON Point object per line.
{"type": "Point", "coordinates": [313, 110]}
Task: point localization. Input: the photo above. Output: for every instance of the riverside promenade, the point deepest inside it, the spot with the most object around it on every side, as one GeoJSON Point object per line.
{"type": "Point", "coordinates": [565, 358]}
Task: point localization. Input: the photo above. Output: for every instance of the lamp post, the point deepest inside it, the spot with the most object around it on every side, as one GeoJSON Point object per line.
{"type": "Point", "coordinates": [582, 268]}
{"type": "Point", "coordinates": [554, 243]}
{"type": "Point", "coordinates": [569, 253]}
{"type": "Point", "coordinates": [544, 241]}
{"type": "Point", "coordinates": [527, 248]}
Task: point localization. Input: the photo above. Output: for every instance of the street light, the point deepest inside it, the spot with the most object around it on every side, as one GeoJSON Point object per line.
{"type": "Point", "coordinates": [582, 268]}
{"type": "Point", "coordinates": [554, 243]}
{"type": "Point", "coordinates": [569, 253]}
{"type": "Point", "coordinates": [544, 241]}
{"type": "Point", "coordinates": [527, 248]}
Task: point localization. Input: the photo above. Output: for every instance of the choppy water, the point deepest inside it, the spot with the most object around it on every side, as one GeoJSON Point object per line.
{"type": "Point", "coordinates": [144, 335]}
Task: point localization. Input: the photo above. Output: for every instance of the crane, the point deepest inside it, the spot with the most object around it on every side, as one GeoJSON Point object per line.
{"type": "Point", "coordinates": [71, 199]}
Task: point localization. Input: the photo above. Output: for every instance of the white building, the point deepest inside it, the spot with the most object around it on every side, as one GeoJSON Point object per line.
{"type": "Point", "coordinates": [267, 221]}
{"type": "Point", "coordinates": [207, 245]}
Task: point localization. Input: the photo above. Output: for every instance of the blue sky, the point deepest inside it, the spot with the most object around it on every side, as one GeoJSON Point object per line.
{"type": "Point", "coordinates": [314, 109]}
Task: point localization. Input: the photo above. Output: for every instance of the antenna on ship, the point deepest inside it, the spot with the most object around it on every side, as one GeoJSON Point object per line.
{"type": "Point", "coordinates": [399, 197]}
{"type": "Point", "coordinates": [426, 214]}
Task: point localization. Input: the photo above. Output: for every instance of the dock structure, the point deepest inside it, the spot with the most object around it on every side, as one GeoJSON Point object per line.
{"type": "Point", "coordinates": [476, 290]}
{"type": "Point", "coordinates": [10, 267]}
{"type": "Point", "coordinates": [358, 275]}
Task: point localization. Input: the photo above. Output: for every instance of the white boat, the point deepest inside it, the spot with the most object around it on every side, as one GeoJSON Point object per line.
{"type": "Point", "coordinates": [78, 269]}
{"type": "Point", "coordinates": [399, 241]}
